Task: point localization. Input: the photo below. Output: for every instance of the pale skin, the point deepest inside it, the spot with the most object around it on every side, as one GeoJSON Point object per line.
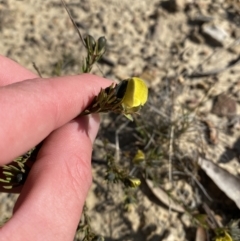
{"type": "Point", "coordinates": [31, 109]}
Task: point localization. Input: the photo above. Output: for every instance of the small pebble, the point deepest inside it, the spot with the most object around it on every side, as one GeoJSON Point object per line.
{"type": "Point", "coordinates": [223, 105]}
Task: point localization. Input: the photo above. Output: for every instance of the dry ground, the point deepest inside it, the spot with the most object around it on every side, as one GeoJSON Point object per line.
{"type": "Point", "coordinates": [168, 44]}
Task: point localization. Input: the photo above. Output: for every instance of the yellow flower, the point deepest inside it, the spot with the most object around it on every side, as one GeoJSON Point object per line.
{"type": "Point", "coordinates": [223, 235]}
{"type": "Point", "coordinates": [132, 182]}
{"type": "Point", "coordinates": [126, 98]}
{"type": "Point", "coordinates": [134, 93]}
{"type": "Point", "coordinates": [135, 182]}
{"type": "Point", "coordinates": [139, 157]}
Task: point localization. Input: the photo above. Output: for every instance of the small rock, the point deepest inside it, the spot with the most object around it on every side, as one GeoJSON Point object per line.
{"type": "Point", "coordinates": [214, 34]}
{"type": "Point", "coordinates": [223, 105]}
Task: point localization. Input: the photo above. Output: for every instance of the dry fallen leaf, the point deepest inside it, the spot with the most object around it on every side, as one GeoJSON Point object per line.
{"type": "Point", "coordinates": [163, 197]}
{"type": "Point", "coordinates": [228, 183]}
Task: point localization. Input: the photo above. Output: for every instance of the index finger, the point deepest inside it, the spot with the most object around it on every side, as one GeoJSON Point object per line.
{"type": "Point", "coordinates": [11, 72]}
{"type": "Point", "coordinates": [30, 110]}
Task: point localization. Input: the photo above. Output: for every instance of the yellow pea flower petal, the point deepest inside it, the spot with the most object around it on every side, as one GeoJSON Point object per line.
{"type": "Point", "coordinates": [223, 236]}
{"type": "Point", "coordinates": [135, 182]}
{"type": "Point", "coordinates": [136, 94]}
{"type": "Point", "coordinates": [139, 157]}
{"type": "Point", "coordinates": [132, 182]}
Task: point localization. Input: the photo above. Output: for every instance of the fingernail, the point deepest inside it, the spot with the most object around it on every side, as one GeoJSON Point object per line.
{"type": "Point", "coordinates": [93, 126]}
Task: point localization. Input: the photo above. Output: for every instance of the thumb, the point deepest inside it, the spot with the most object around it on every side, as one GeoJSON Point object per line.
{"type": "Point", "coordinates": [53, 196]}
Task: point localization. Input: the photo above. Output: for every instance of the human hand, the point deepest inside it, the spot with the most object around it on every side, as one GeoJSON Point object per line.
{"type": "Point", "coordinates": [32, 109]}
